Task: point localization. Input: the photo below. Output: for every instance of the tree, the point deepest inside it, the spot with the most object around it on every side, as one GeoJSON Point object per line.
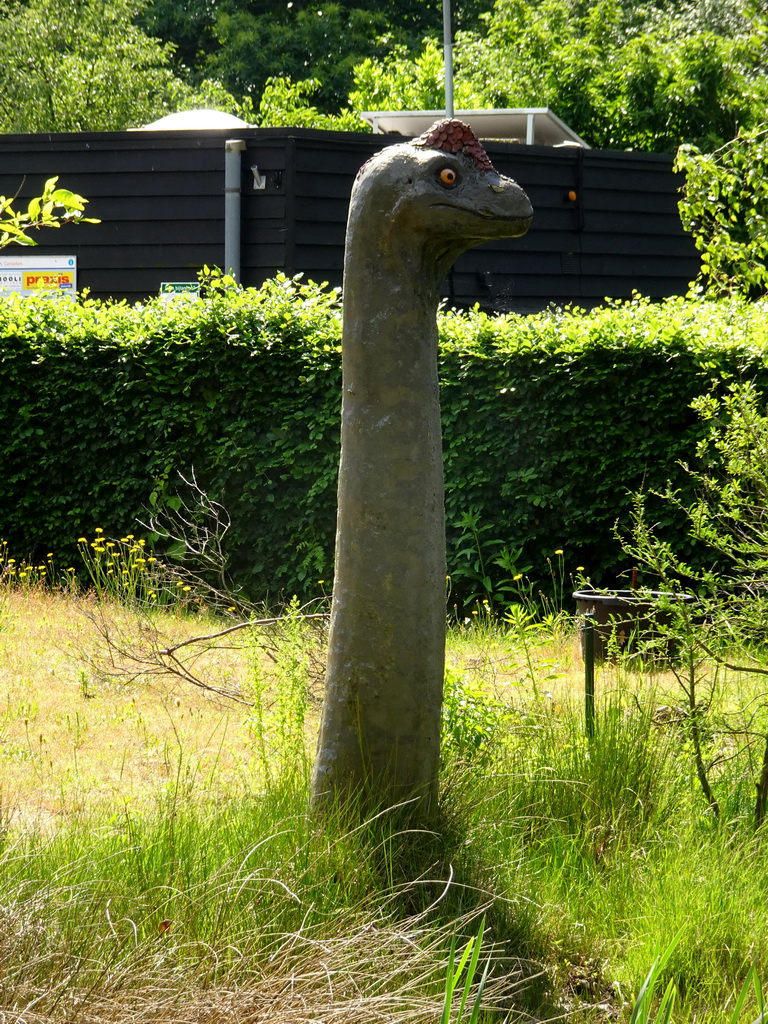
{"type": "Point", "coordinates": [245, 42]}
{"type": "Point", "coordinates": [284, 102]}
{"type": "Point", "coordinates": [728, 520]}
{"type": "Point", "coordinates": [627, 77]}
{"type": "Point", "coordinates": [725, 206]}
{"type": "Point", "coordinates": [56, 206]}
{"type": "Point", "coordinates": [82, 65]}
{"type": "Point", "coordinates": [623, 76]}
{"type": "Point", "coordinates": [188, 30]}
{"type": "Point", "coordinates": [298, 43]}
{"type": "Point", "coordinates": [401, 82]}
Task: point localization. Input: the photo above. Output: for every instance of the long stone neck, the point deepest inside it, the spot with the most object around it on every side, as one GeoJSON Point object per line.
{"type": "Point", "coordinates": [389, 336]}
{"type": "Point", "coordinates": [386, 646]}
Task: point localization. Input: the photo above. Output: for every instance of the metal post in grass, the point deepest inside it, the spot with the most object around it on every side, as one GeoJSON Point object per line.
{"type": "Point", "coordinates": [588, 627]}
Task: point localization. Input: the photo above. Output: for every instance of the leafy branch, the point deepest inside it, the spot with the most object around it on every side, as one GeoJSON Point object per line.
{"type": "Point", "coordinates": [54, 207]}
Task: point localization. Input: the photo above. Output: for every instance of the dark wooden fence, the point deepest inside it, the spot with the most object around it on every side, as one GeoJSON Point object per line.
{"type": "Point", "coordinates": [606, 223]}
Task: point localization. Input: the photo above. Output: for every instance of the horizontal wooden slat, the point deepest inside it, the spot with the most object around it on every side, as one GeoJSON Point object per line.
{"type": "Point", "coordinates": [631, 223]}
{"type": "Point", "coordinates": [650, 203]}
{"type": "Point", "coordinates": [122, 259]}
{"type": "Point", "coordinates": [321, 233]}
{"type": "Point", "coordinates": [659, 244]}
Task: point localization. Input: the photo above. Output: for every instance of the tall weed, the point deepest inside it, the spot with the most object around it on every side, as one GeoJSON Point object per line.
{"type": "Point", "coordinates": [281, 698]}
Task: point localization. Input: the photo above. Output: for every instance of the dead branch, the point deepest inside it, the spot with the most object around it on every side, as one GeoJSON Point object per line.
{"type": "Point", "coordinates": [242, 625]}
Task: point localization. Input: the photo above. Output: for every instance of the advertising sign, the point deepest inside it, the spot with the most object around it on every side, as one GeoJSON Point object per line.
{"type": "Point", "coordinates": [32, 275]}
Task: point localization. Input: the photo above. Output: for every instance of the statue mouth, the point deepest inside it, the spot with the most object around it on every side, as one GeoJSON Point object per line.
{"type": "Point", "coordinates": [487, 215]}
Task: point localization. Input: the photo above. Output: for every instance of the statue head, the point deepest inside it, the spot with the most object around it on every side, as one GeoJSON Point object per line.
{"type": "Point", "coordinates": [438, 195]}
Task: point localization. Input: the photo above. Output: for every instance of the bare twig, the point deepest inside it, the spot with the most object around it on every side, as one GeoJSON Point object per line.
{"type": "Point", "coordinates": [240, 625]}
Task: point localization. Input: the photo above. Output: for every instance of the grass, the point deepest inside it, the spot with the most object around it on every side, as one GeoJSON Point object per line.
{"type": "Point", "coordinates": [73, 735]}
{"type": "Point", "coordinates": [157, 862]}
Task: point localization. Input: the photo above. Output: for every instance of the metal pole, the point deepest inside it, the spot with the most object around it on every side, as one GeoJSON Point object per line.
{"type": "Point", "coordinates": [232, 160]}
{"type": "Point", "coordinates": [589, 673]}
{"type": "Point", "coordinates": [448, 58]}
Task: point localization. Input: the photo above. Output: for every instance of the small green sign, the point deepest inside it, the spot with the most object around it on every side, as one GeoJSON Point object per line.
{"type": "Point", "coordinates": [179, 288]}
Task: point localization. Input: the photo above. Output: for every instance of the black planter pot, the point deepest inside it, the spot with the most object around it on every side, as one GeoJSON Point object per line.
{"type": "Point", "coordinates": [625, 619]}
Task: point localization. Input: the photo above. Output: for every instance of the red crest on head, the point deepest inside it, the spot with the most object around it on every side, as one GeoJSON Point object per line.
{"type": "Point", "coordinates": [453, 136]}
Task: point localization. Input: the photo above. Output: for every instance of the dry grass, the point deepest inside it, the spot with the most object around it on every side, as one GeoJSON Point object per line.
{"type": "Point", "coordinates": [370, 973]}
{"type": "Point", "coordinates": [71, 733]}
{"type": "Point", "coordinates": [76, 738]}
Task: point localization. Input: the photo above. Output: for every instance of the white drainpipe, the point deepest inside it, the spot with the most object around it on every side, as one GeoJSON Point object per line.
{"type": "Point", "coordinates": [448, 58]}
{"type": "Point", "coordinates": [232, 150]}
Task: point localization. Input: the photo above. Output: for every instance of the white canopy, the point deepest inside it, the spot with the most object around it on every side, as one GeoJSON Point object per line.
{"type": "Point", "coordinates": [534, 126]}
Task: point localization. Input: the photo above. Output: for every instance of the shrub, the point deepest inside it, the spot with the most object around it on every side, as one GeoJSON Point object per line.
{"type": "Point", "coordinates": [550, 421]}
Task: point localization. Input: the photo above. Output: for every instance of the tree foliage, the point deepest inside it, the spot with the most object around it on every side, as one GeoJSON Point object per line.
{"type": "Point", "coordinates": [321, 43]}
{"type": "Point", "coordinates": [649, 76]}
{"type": "Point", "coordinates": [725, 206]}
{"type": "Point", "coordinates": [83, 65]}
{"type": "Point", "coordinates": [243, 43]}
{"type": "Point", "coordinates": [623, 76]}
{"type": "Point", "coordinates": [401, 81]}
{"type": "Point", "coordinates": [287, 103]}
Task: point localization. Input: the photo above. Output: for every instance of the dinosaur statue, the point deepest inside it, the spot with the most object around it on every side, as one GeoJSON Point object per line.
{"type": "Point", "coordinates": [415, 207]}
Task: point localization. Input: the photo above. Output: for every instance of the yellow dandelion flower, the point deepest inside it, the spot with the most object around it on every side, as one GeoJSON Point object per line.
{"type": "Point", "coordinates": [231, 608]}
{"type": "Point", "coordinates": [82, 540]}
{"type": "Point", "coordinates": [49, 555]}
{"type": "Point", "coordinates": [579, 568]}
{"type": "Point", "coordinates": [186, 589]}
{"type": "Point", "coordinates": [99, 530]}
{"type": "Point", "coordinates": [559, 551]}
{"type": "Point", "coordinates": [518, 577]}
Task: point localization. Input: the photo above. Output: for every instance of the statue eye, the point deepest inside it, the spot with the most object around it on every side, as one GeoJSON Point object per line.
{"type": "Point", "coordinates": [448, 176]}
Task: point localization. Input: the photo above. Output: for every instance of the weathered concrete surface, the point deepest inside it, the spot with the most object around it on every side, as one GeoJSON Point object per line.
{"type": "Point", "coordinates": [413, 211]}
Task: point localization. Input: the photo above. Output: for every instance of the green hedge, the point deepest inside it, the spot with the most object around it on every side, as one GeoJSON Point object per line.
{"type": "Point", "coordinates": [550, 422]}
{"type": "Point", "coordinates": [553, 421]}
